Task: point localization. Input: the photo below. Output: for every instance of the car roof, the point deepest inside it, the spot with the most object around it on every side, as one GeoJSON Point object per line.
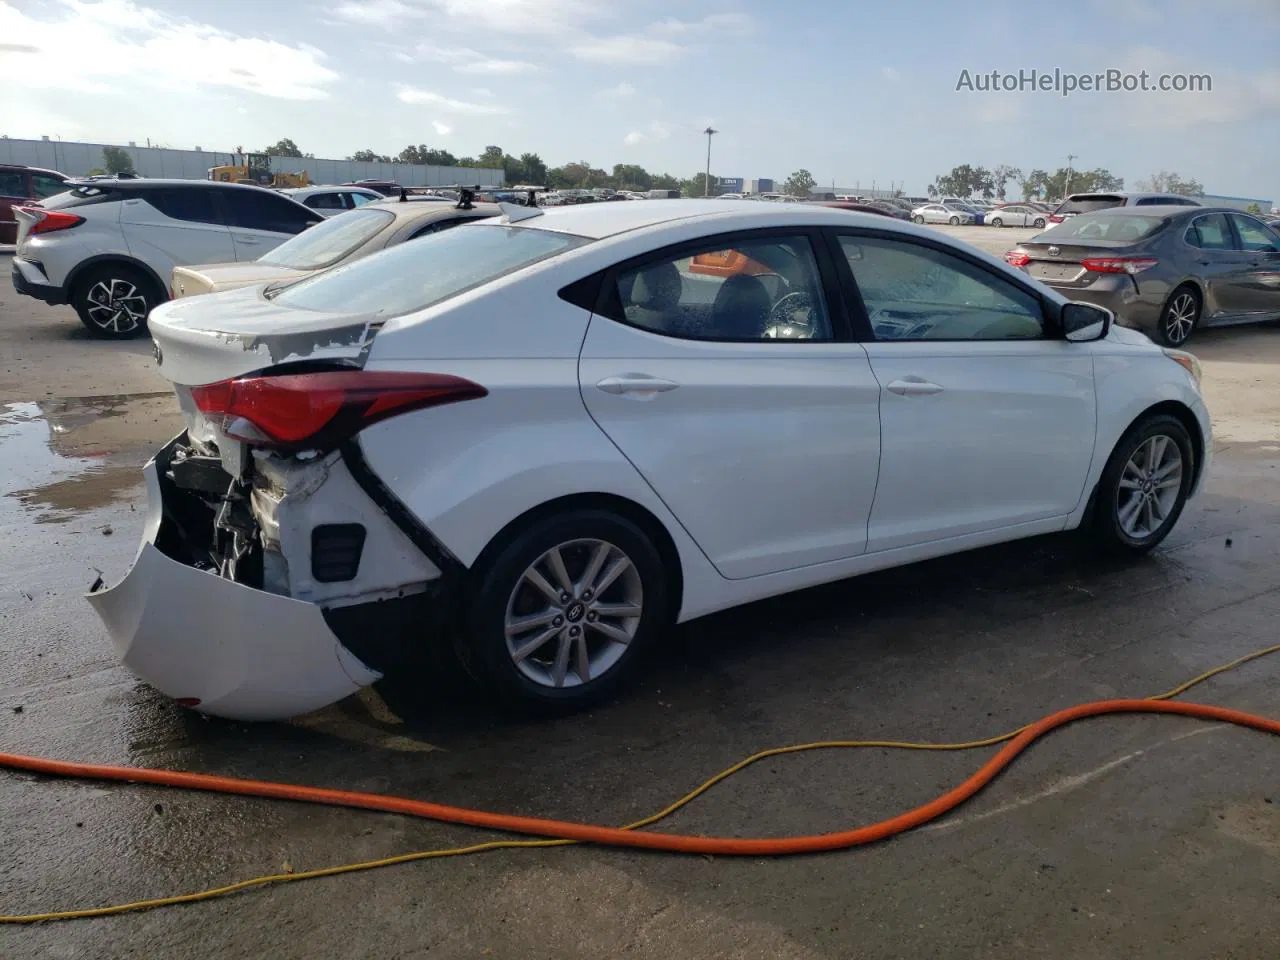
{"type": "Point", "coordinates": [1159, 210]}
{"type": "Point", "coordinates": [146, 183]}
{"type": "Point", "coordinates": [408, 210]}
{"type": "Point", "coordinates": [27, 169]}
{"type": "Point", "coordinates": [600, 220]}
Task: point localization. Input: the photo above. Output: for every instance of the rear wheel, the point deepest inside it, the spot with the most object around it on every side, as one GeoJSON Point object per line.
{"type": "Point", "coordinates": [955, 221]}
{"type": "Point", "coordinates": [113, 301]}
{"type": "Point", "coordinates": [997, 222]}
{"type": "Point", "coordinates": [917, 219]}
{"type": "Point", "coordinates": [1180, 316]}
{"type": "Point", "coordinates": [562, 610]}
{"type": "Point", "coordinates": [1039, 222]}
{"type": "Point", "coordinates": [1144, 486]}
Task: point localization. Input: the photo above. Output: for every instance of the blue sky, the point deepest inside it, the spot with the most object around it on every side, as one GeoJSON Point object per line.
{"type": "Point", "coordinates": [853, 91]}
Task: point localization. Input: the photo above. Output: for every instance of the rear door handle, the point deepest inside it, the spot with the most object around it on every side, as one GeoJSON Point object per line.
{"type": "Point", "coordinates": [639, 385]}
{"type": "Point", "coordinates": [913, 387]}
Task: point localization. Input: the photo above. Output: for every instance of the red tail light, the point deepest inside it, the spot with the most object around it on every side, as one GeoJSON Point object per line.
{"type": "Point", "coordinates": [320, 410]}
{"type": "Point", "coordinates": [49, 220]}
{"type": "Point", "coordinates": [1056, 219]}
{"type": "Point", "coordinates": [1118, 264]}
{"type": "Point", "coordinates": [1016, 259]}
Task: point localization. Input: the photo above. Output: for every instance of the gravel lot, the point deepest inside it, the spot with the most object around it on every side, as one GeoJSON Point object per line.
{"type": "Point", "coordinates": [1140, 837]}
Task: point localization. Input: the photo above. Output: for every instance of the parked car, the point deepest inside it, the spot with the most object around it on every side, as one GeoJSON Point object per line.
{"type": "Point", "coordinates": [332, 200]}
{"type": "Point", "coordinates": [870, 206]}
{"type": "Point", "coordinates": [385, 187]}
{"type": "Point", "coordinates": [1167, 270]}
{"type": "Point", "coordinates": [20, 184]}
{"type": "Point", "coordinates": [539, 438]}
{"type": "Point", "coordinates": [937, 213]}
{"type": "Point", "coordinates": [659, 194]}
{"type": "Point", "coordinates": [108, 247]}
{"type": "Point", "coordinates": [341, 239]}
{"type": "Point", "coordinates": [978, 215]}
{"type": "Point", "coordinates": [1079, 203]}
{"type": "Point", "coordinates": [1016, 215]}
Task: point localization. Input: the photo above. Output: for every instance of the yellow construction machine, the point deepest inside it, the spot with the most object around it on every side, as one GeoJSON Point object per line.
{"type": "Point", "coordinates": [256, 171]}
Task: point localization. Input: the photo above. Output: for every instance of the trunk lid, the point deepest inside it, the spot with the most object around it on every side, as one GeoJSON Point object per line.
{"type": "Point", "coordinates": [216, 277]}
{"type": "Point", "coordinates": [1058, 264]}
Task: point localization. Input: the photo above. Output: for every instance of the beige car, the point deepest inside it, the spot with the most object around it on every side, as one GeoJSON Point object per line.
{"type": "Point", "coordinates": [345, 237]}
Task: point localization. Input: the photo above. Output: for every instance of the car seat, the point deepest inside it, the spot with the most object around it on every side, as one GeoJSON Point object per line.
{"type": "Point", "coordinates": [741, 309]}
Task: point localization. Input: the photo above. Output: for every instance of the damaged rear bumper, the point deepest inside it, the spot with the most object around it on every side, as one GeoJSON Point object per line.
{"type": "Point", "coordinates": [241, 652]}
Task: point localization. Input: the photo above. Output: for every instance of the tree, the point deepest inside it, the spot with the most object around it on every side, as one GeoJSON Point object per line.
{"type": "Point", "coordinates": [492, 157]}
{"type": "Point", "coordinates": [469, 162]}
{"type": "Point", "coordinates": [368, 156]}
{"type": "Point", "coordinates": [1033, 184]}
{"type": "Point", "coordinates": [664, 181]}
{"type": "Point", "coordinates": [117, 160]}
{"type": "Point", "coordinates": [1002, 175]}
{"type": "Point", "coordinates": [428, 155]}
{"type": "Point", "coordinates": [283, 148]}
{"type": "Point", "coordinates": [535, 171]}
{"type": "Point", "coordinates": [964, 181]}
{"type": "Point", "coordinates": [799, 184]}
{"type": "Point", "coordinates": [1166, 182]}
{"type": "Point", "coordinates": [1254, 209]}
{"type": "Point", "coordinates": [631, 176]}
{"type": "Point", "coordinates": [696, 186]}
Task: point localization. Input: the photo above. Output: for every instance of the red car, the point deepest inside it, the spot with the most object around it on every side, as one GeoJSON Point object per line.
{"type": "Point", "coordinates": [884, 211]}
{"type": "Point", "coordinates": [19, 185]}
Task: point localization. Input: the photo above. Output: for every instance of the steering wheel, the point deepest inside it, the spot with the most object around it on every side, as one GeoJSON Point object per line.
{"type": "Point", "coordinates": [783, 322]}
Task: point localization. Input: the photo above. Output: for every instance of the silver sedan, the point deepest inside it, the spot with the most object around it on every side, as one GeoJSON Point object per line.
{"type": "Point", "coordinates": [1016, 215]}
{"type": "Point", "coordinates": [937, 213]}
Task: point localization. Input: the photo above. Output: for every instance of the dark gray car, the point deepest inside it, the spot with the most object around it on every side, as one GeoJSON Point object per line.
{"type": "Point", "coordinates": [1163, 269]}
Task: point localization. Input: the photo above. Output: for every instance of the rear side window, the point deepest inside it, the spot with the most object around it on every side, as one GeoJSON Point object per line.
{"type": "Point", "coordinates": [412, 276]}
{"type": "Point", "coordinates": [1090, 202]}
{"type": "Point", "coordinates": [193, 205]}
{"type": "Point", "coordinates": [325, 201]}
{"type": "Point", "coordinates": [12, 184]}
{"type": "Point", "coordinates": [436, 226]}
{"type": "Point", "coordinates": [1210, 232]}
{"type": "Point", "coordinates": [257, 209]}
{"type": "Point", "coordinates": [43, 185]}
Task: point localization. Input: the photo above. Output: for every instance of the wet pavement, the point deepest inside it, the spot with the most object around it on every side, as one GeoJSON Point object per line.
{"type": "Point", "coordinates": [1124, 837]}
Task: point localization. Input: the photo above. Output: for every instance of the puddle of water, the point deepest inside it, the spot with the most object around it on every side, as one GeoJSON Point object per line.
{"type": "Point", "coordinates": [68, 456]}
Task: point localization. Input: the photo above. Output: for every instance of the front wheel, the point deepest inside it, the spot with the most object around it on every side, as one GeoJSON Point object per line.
{"type": "Point", "coordinates": [997, 222]}
{"type": "Point", "coordinates": [917, 219]}
{"type": "Point", "coordinates": [113, 301]}
{"type": "Point", "coordinates": [955, 221]}
{"type": "Point", "coordinates": [1039, 222]}
{"type": "Point", "coordinates": [562, 610]}
{"type": "Point", "coordinates": [1144, 486]}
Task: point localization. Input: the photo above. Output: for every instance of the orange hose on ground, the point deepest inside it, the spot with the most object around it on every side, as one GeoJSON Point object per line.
{"type": "Point", "coordinates": [614, 836]}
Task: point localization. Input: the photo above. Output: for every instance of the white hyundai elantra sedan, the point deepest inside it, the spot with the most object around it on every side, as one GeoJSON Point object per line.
{"type": "Point", "coordinates": [545, 437]}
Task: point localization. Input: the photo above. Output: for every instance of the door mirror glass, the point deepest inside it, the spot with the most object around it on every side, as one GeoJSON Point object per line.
{"type": "Point", "coordinates": [1083, 322]}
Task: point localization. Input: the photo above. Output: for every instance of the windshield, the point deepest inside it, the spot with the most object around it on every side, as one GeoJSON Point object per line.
{"type": "Point", "coordinates": [1089, 226]}
{"type": "Point", "coordinates": [415, 275]}
{"type": "Point", "coordinates": [328, 242]}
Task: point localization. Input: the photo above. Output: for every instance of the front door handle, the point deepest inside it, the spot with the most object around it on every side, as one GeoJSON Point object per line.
{"type": "Point", "coordinates": [639, 385]}
{"type": "Point", "coordinates": [913, 387]}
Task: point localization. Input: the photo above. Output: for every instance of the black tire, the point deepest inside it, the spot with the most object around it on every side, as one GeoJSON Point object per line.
{"type": "Point", "coordinates": [1172, 330]}
{"type": "Point", "coordinates": [114, 300]}
{"type": "Point", "coordinates": [1108, 530]}
{"type": "Point", "coordinates": [997, 222]}
{"type": "Point", "coordinates": [483, 645]}
{"type": "Point", "coordinates": [955, 221]}
{"type": "Point", "coordinates": [1038, 223]}
{"type": "Point", "coordinates": [917, 219]}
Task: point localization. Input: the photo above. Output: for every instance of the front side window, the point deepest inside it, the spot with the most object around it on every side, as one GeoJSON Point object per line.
{"type": "Point", "coordinates": [755, 289]}
{"type": "Point", "coordinates": [411, 276]}
{"type": "Point", "coordinates": [915, 292]}
{"type": "Point", "coordinates": [1254, 235]}
{"type": "Point", "coordinates": [325, 201]}
{"type": "Point", "coordinates": [1210, 232]}
{"type": "Point", "coordinates": [254, 208]}
{"type": "Point", "coordinates": [12, 185]}
{"type": "Point", "coordinates": [360, 199]}
{"type": "Point", "coordinates": [327, 243]}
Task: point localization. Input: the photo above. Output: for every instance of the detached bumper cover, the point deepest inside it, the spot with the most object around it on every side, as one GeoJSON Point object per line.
{"type": "Point", "coordinates": [243, 653]}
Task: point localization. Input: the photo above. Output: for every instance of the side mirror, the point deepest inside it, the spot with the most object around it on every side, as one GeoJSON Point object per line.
{"type": "Point", "coordinates": [1083, 322]}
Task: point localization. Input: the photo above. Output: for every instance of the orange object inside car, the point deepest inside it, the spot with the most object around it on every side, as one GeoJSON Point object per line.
{"type": "Point", "coordinates": [726, 263]}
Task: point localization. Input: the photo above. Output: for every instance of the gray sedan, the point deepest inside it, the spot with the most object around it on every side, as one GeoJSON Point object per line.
{"type": "Point", "coordinates": [937, 213]}
{"type": "Point", "coordinates": [1163, 269]}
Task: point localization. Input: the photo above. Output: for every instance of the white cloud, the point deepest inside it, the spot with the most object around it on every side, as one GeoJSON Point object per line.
{"type": "Point", "coordinates": [634, 137]}
{"type": "Point", "coordinates": [722, 22]}
{"type": "Point", "coordinates": [620, 92]}
{"type": "Point", "coordinates": [466, 60]}
{"type": "Point", "coordinates": [416, 96]}
{"type": "Point", "coordinates": [523, 17]}
{"type": "Point", "coordinates": [999, 108]}
{"type": "Point", "coordinates": [388, 14]}
{"type": "Point", "coordinates": [482, 91]}
{"type": "Point", "coordinates": [443, 129]}
{"type": "Point", "coordinates": [890, 74]}
{"type": "Point", "coordinates": [626, 49]}
{"type": "Point", "coordinates": [659, 130]}
{"type": "Point", "coordinates": [496, 66]}
{"type": "Point", "coordinates": [100, 43]}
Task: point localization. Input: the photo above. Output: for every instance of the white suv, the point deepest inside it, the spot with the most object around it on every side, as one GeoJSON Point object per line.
{"type": "Point", "coordinates": [108, 247]}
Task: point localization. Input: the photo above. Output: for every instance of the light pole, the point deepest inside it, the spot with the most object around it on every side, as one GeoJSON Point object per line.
{"type": "Point", "coordinates": [706, 183]}
{"type": "Point", "coordinates": [1066, 190]}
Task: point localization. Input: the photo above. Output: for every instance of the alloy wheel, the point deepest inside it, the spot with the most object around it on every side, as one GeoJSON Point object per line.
{"type": "Point", "coordinates": [116, 305]}
{"type": "Point", "coordinates": [1180, 318]}
{"type": "Point", "coordinates": [573, 613]}
{"type": "Point", "coordinates": [1147, 492]}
